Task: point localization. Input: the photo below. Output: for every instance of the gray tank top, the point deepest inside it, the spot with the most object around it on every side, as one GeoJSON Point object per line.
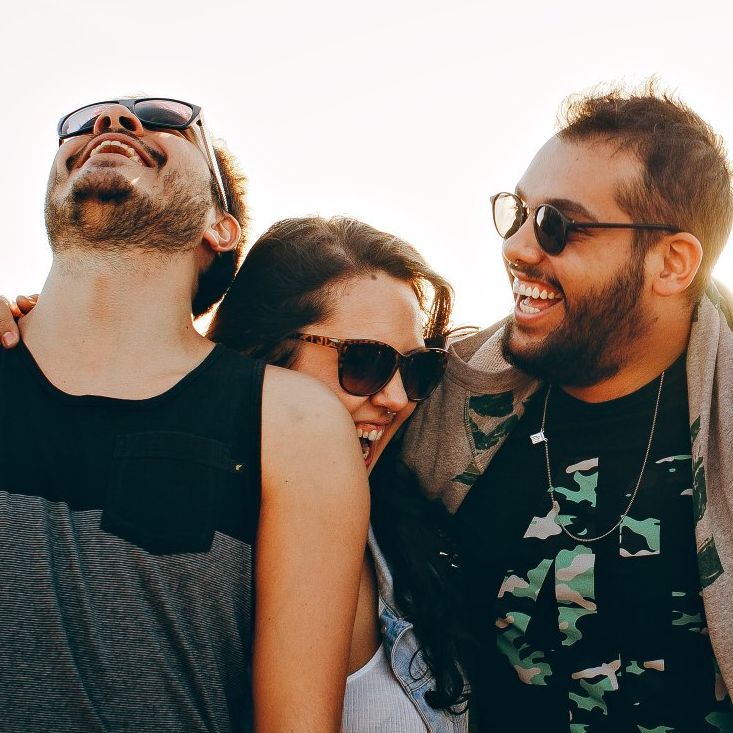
{"type": "Point", "coordinates": [126, 534]}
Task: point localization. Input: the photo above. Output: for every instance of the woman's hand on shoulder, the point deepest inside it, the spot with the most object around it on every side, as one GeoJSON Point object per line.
{"type": "Point", "coordinates": [310, 547]}
{"type": "Point", "coordinates": [10, 311]}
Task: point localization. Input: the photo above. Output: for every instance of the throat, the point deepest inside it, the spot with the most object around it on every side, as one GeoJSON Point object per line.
{"type": "Point", "coordinates": [131, 354]}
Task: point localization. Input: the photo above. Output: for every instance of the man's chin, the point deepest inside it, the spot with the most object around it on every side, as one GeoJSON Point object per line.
{"type": "Point", "coordinates": [559, 360]}
{"type": "Point", "coordinates": [102, 185]}
{"type": "Point", "coordinates": [516, 343]}
{"type": "Point", "coordinates": [106, 209]}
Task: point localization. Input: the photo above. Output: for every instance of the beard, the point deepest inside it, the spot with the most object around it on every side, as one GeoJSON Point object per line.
{"type": "Point", "coordinates": [595, 337]}
{"type": "Point", "coordinates": [104, 211]}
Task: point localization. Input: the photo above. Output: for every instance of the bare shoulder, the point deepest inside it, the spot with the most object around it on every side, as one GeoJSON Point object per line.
{"type": "Point", "coordinates": [287, 392]}
{"type": "Point", "coordinates": [307, 433]}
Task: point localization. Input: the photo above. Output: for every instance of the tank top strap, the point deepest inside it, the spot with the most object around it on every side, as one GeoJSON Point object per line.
{"type": "Point", "coordinates": [244, 377]}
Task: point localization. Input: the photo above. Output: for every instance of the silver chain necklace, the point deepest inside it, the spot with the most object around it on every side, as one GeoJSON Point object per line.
{"type": "Point", "coordinates": [541, 438]}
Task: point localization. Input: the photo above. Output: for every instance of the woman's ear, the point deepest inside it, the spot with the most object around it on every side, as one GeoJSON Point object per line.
{"type": "Point", "coordinates": [223, 234]}
{"type": "Point", "coordinates": [680, 256]}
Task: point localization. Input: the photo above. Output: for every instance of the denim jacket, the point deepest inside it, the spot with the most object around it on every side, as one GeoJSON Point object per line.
{"type": "Point", "coordinates": [404, 654]}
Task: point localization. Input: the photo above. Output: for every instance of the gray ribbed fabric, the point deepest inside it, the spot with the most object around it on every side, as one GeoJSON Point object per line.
{"type": "Point", "coordinates": [126, 560]}
{"type": "Point", "coordinates": [98, 636]}
{"type": "Point", "coordinates": [376, 703]}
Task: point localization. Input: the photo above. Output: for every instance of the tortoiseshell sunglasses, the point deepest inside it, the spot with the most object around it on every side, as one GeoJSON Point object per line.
{"type": "Point", "coordinates": [365, 367]}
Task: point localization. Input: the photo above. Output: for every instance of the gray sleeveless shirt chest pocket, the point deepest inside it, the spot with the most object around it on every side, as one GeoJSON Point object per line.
{"type": "Point", "coordinates": [167, 490]}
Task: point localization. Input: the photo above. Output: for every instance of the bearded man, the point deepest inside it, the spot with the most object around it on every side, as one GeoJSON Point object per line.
{"type": "Point", "coordinates": [585, 444]}
{"type": "Point", "coordinates": [131, 597]}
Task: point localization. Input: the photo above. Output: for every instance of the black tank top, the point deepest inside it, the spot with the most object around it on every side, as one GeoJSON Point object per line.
{"type": "Point", "coordinates": [126, 552]}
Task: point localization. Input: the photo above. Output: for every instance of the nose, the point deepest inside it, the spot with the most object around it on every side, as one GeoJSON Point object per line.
{"type": "Point", "coordinates": [117, 117]}
{"type": "Point", "coordinates": [392, 396]}
{"type": "Point", "coordinates": [522, 246]}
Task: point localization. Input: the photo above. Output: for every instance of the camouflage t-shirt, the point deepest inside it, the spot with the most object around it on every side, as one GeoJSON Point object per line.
{"type": "Point", "coordinates": [604, 636]}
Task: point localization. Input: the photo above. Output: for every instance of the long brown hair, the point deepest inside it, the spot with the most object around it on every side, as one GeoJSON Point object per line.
{"type": "Point", "coordinates": [287, 280]}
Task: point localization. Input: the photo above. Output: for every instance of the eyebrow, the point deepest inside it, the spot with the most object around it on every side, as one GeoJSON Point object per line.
{"type": "Point", "coordinates": [567, 206]}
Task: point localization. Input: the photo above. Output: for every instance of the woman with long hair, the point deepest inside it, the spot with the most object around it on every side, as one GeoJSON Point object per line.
{"type": "Point", "coordinates": [363, 312]}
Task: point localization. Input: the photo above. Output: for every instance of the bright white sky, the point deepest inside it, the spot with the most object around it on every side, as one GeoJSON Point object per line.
{"type": "Point", "coordinates": [407, 115]}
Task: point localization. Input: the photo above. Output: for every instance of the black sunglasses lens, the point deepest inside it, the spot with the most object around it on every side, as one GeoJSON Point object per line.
{"type": "Point", "coordinates": [508, 214]}
{"type": "Point", "coordinates": [550, 229]}
{"type": "Point", "coordinates": [81, 121]}
{"type": "Point", "coordinates": [157, 112]}
{"type": "Point", "coordinates": [422, 371]}
{"type": "Point", "coordinates": [163, 113]}
{"type": "Point", "coordinates": [366, 368]}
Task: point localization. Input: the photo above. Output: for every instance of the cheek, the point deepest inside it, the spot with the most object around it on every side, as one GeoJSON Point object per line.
{"type": "Point", "coordinates": [351, 402]}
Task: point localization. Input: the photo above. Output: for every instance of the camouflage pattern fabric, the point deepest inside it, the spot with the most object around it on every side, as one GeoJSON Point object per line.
{"type": "Point", "coordinates": [604, 682]}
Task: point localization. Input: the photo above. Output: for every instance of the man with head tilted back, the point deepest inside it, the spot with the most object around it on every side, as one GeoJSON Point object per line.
{"type": "Point", "coordinates": [585, 444]}
{"type": "Point", "coordinates": [153, 462]}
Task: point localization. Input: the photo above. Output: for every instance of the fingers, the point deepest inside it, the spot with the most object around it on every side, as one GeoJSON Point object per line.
{"type": "Point", "coordinates": [26, 303]}
{"type": "Point", "coordinates": [9, 334]}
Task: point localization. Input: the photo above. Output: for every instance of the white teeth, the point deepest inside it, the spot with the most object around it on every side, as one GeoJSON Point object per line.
{"type": "Point", "coordinates": [370, 435]}
{"type": "Point", "coordinates": [131, 153]}
{"type": "Point", "coordinates": [533, 291]}
{"type": "Point", "coordinates": [527, 308]}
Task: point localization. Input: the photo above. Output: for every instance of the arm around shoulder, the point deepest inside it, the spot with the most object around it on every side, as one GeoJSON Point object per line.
{"type": "Point", "coordinates": [310, 546]}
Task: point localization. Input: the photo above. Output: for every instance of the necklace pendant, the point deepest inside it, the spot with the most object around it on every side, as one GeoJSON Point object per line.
{"type": "Point", "coordinates": [538, 437]}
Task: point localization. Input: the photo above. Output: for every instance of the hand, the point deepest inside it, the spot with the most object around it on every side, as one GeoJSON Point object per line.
{"type": "Point", "coordinates": [9, 312]}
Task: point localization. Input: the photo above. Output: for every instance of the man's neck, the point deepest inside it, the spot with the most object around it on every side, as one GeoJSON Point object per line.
{"type": "Point", "coordinates": [115, 324]}
{"type": "Point", "coordinates": [649, 358]}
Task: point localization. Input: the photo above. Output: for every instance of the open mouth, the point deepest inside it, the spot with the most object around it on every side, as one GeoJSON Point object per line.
{"type": "Point", "coordinates": [534, 297]}
{"type": "Point", "coordinates": [369, 436]}
{"type": "Point", "coordinates": [113, 144]}
{"type": "Point", "coordinates": [116, 148]}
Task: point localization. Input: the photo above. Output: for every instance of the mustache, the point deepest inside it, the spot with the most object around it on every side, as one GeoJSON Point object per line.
{"type": "Point", "coordinates": [160, 158]}
{"type": "Point", "coordinates": [534, 273]}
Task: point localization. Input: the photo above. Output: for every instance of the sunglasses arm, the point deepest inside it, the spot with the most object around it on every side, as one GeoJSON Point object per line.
{"type": "Point", "coordinates": [213, 164]}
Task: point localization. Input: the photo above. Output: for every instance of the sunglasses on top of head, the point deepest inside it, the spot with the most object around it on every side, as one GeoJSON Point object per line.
{"type": "Point", "coordinates": [365, 367]}
{"type": "Point", "coordinates": [550, 225]}
{"type": "Point", "coordinates": [154, 113]}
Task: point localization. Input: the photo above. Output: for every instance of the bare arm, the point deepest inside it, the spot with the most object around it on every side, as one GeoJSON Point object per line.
{"type": "Point", "coordinates": [310, 547]}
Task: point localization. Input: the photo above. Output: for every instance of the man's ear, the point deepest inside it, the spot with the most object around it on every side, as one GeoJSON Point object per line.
{"type": "Point", "coordinates": [223, 234]}
{"type": "Point", "coordinates": [678, 260]}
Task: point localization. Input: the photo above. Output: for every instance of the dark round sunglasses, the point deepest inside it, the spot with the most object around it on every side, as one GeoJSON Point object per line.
{"type": "Point", "coordinates": [550, 225]}
{"type": "Point", "coordinates": [365, 367]}
{"type": "Point", "coordinates": [155, 113]}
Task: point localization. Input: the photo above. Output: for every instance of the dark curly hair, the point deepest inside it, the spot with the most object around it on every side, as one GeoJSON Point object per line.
{"type": "Point", "coordinates": [287, 282]}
